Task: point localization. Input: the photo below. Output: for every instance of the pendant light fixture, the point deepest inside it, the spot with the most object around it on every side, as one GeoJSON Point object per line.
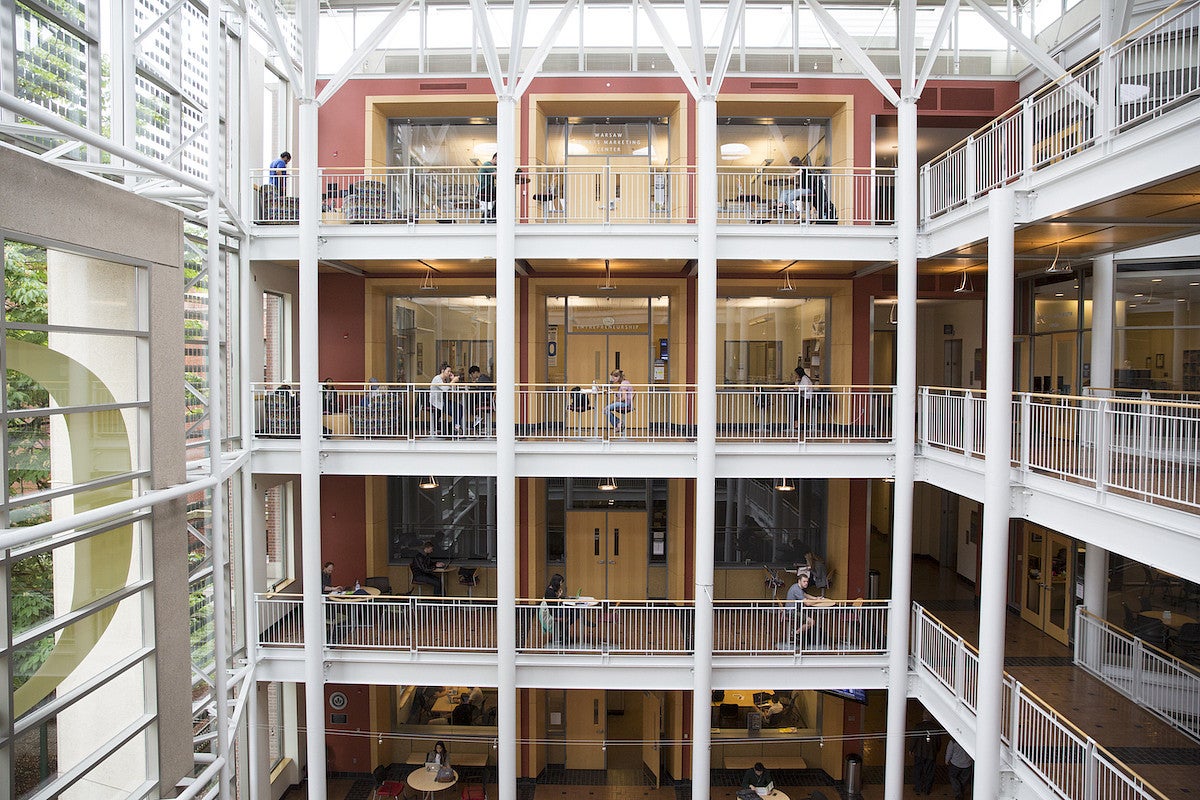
{"type": "Point", "coordinates": [607, 286]}
{"type": "Point", "coordinates": [607, 485]}
{"type": "Point", "coordinates": [429, 483]}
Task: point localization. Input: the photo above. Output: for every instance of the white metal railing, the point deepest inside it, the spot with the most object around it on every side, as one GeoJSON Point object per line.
{"type": "Point", "coordinates": [743, 627]}
{"type": "Point", "coordinates": [1148, 72]}
{"type": "Point", "coordinates": [600, 194]}
{"type": "Point", "coordinates": [1157, 681]}
{"type": "Point", "coordinates": [1072, 764]}
{"type": "Point", "coordinates": [1149, 449]}
{"type": "Point", "coordinates": [577, 625]}
{"type": "Point", "coordinates": [806, 195]}
{"type": "Point", "coordinates": [808, 414]}
{"type": "Point", "coordinates": [661, 412]}
{"type": "Point", "coordinates": [379, 411]}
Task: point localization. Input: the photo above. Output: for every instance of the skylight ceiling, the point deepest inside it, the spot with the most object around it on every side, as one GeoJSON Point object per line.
{"type": "Point", "coordinates": [610, 37]}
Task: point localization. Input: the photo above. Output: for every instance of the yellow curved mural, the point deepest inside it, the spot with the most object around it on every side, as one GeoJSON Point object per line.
{"type": "Point", "coordinates": [99, 447]}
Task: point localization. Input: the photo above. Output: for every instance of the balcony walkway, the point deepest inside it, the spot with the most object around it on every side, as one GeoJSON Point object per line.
{"type": "Point", "coordinates": [1167, 759]}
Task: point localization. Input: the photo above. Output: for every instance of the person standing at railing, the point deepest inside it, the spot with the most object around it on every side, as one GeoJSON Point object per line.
{"type": "Point", "coordinates": [804, 390]}
{"type": "Point", "coordinates": [961, 767]}
{"type": "Point", "coordinates": [439, 389]}
{"type": "Point", "coordinates": [278, 171]}
{"type": "Point", "coordinates": [482, 399]}
{"type": "Point", "coordinates": [624, 402]}
{"type": "Point", "coordinates": [487, 189]}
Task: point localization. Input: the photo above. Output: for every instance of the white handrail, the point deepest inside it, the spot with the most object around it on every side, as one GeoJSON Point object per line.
{"type": "Point", "coordinates": [1144, 448]}
{"type": "Point", "coordinates": [1072, 764]}
{"type": "Point", "coordinates": [1151, 74]}
{"type": "Point", "coordinates": [1157, 681]}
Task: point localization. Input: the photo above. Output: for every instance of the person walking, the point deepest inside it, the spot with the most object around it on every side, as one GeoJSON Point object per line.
{"type": "Point", "coordinates": [961, 767]}
{"type": "Point", "coordinates": [925, 743]}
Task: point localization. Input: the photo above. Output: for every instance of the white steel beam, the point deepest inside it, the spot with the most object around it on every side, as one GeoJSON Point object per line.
{"type": "Point", "coordinates": [673, 52]}
{"type": "Point", "coordinates": [853, 51]}
{"type": "Point", "coordinates": [488, 42]}
{"type": "Point", "coordinates": [904, 434]}
{"type": "Point", "coordinates": [706, 437]}
{"type": "Point", "coordinates": [733, 20]}
{"type": "Point", "coordinates": [906, 29]}
{"type": "Point", "coordinates": [507, 343]}
{"type": "Point", "coordinates": [365, 49]}
{"type": "Point", "coordinates": [1029, 48]}
{"type": "Point", "coordinates": [997, 465]}
{"type": "Point", "coordinates": [696, 31]}
{"type": "Point", "coordinates": [935, 45]}
{"type": "Point", "coordinates": [520, 15]}
{"type": "Point", "coordinates": [159, 20]}
{"type": "Point", "coordinates": [543, 49]}
{"type": "Point", "coordinates": [67, 128]}
{"type": "Point", "coordinates": [275, 34]}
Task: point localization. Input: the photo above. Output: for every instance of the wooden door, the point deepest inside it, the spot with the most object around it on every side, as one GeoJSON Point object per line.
{"type": "Point", "coordinates": [586, 717]}
{"type": "Point", "coordinates": [632, 352]}
{"type": "Point", "coordinates": [606, 554]}
{"type": "Point", "coordinates": [652, 704]}
{"type": "Point", "coordinates": [587, 553]}
{"type": "Point", "coordinates": [587, 359]}
{"type": "Point", "coordinates": [627, 555]}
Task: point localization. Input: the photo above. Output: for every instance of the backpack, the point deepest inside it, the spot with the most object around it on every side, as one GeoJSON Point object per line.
{"type": "Point", "coordinates": [818, 577]}
{"type": "Point", "coordinates": [545, 617]}
{"type": "Point", "coordinates": [579, 400]}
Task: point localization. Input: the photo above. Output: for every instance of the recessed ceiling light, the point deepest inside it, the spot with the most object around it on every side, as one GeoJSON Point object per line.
{"type": "Point", "coordinates": [1139, 294]}
{"type": "Point", "coordinates": [1194, 283]}
{"type": "Point", "coordinates": [1058, 294]}
{"type": "Point", "coordinates": [1133, 305]}
{"type": "Point", "coordinates": [1156, 280]}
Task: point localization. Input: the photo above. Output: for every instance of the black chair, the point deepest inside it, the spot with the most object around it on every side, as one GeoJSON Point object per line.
{"type": "Point", "coordinates": [1186, 643]}
{"type": "Point", "coordinates": [382, 583]}
{"type": "Point", "coordinates": [1151, 631]}
{"type": "Point", "coordinates": [468, 577]}
{"type": "Point", "coordinates": [728, 715]}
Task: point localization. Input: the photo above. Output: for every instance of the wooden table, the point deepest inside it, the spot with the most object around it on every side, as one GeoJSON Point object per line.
{"type": "Point", "coordinates": [441, 573]}
{"type": "Point", "coordinates": [355, 617]}
{"type": "Point", "coordinates": [1176, 620]}
{"type": "Point", "coordinates": [423, 781]}
{"type": "Point", "coordinates": [743, 699]}
{"type": "Point", "coordinates": [747, 762]}
{"type": "Point", "coordinates": [460, 760]}
{"type": "Point", "coordinates": [354, 596]}
{"type": "Point", "coordinates": [444, 705]}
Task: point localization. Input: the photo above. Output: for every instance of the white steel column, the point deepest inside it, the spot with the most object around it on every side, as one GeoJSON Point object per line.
{"type": "Point", "coordinates": [905, 430]}
{"type": "Point", "coordinates": [217, 311]}
{"type": "Point", "coordinates": [998, 433]}
{"type": "Point", "coordinates": [1095, 564]}
{"type": "Point", "coordinates": [706, 436]}
{"type": "Point", "coordinates": [309, 190]}
{"type": "Point", "coordinates": [506, 465]}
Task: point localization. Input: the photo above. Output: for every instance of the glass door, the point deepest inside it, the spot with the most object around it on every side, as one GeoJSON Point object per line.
{"type": "Point", "coordinates": [1046, 582]}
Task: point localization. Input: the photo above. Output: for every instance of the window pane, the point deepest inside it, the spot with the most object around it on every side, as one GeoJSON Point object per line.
{"type": "Point", "coordinates": [94, 445]}
{"type": "Point", "coordinates": [51, 66]}
{"type": "Point", "coordinates": [73, 387]}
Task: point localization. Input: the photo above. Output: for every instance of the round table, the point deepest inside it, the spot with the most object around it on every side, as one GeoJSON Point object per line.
{"type": "Point", "coordinates": [423, 781]}
{"type": "Point", "coordinates": [354, 596]}
{"type": "Point", "coordinates": [775, 794]}
{"type": "Point", "coordinates": [1176, 620]}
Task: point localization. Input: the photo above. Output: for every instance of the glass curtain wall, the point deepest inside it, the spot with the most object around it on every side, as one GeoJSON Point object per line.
{"type": "Point", "coordinates": [1157, 327]}
{"type": "Point", "coordinates": [589, 336]}
{"type": "Point", "coordinates": [75, 403]}
{"type": "Point", "coordinates": [767, 338]}
{"type": "Point", "coordinates": [772, 141]}
{"type": "Point", "coordinates": [458, 515]}
{"type": "Point", "coordinates": [463, 142]}
{"type": "Point", "coordinates": [425, 332]}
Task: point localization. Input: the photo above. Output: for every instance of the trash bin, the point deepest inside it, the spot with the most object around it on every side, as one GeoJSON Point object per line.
{"type": "Point", "coordinates": [853, 775]}
{"type": "Point", "coordinates": [873, 584]}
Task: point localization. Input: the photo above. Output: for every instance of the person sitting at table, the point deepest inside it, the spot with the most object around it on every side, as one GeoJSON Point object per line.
{"type": "Point", "coordinates": [438, 755]}
{"type": "Point", "coordinates": [798, 596]}
{"type": "Point", "coordinates": [795, 198]}
{"type": "Point", "coordinates": [555, 589]}
{"type": "Point", "coordinates": [423, 566]}
{"type": "Point", "coordinates": [757, 776]}
{"type": "Point", "coordinates": [327, 586]}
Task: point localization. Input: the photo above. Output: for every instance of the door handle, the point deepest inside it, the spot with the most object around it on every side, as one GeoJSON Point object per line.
{"type": "Point", "coordinates": [612, 562]}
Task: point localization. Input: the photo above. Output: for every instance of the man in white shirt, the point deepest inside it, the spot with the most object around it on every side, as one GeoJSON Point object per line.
{"type": "Point", "coordinates": [441, 385]}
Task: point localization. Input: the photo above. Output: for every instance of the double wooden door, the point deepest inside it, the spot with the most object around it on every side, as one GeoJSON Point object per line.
{"type": "Point", "coordinates": [607, 554]}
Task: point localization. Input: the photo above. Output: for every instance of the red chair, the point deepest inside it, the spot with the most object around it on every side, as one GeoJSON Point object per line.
{"type": "Point", "coordinates": [473, 792]}
{"type": "Point", "coordinates": [390, 789]}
